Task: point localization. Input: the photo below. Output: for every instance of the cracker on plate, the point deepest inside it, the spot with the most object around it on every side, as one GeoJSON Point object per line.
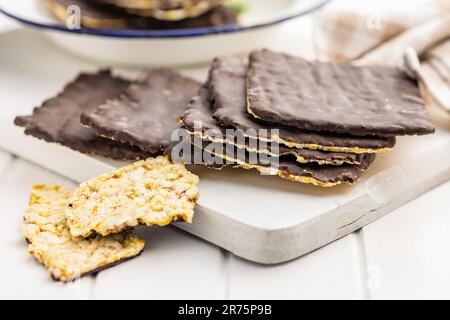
{"type": "Point", "coordinates": [159, 4]}
{"type": "Point", "coordinates": [185, 10]}
{"type": "Point", "coordinates": [100, 16]}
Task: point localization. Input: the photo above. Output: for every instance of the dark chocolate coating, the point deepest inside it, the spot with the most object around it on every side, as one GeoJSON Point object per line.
{"type": "Point", "coordinates": [200, 111]}
{"type": "Point", "coordinates": [90, 9]}
{"type": "Point", "coordinates": [335, 97]}
{"type": "Point", "coordinates": [228, 93]}
{"type": "Point", "coordinates": [147, 113]}
{"type": "Point", "coordinates": [328, 174]}
{"type": "Point", "coordinates": [58, 119]}
{"type": "Point", "coordinates": [325, 157]}
{"type": "Point", "coordinates": [288, 168]}
{"type": "Point", "coordinates": [95, 15]}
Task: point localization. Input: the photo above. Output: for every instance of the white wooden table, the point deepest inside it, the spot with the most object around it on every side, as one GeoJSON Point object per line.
{"type": "Point", "coordinates": [404, 255]}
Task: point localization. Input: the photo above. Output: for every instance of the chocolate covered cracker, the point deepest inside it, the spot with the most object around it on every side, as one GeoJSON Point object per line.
{"type": "Point", "coordinates": [67, 257]}
{"type": "Point", "coordinates": [58, 119]}
{"type": "Point", "coordinates": [150, 192]}
{"type": "Point", "coordinates": [147, 113]}
{"type": "Point", "coordinates": [200, 112]}
{"type": "Point", "coordinates": [228, 95]}
{"type": "Point", "coordinates": [334, 97]}
{"type": "Point", "coordinates": [314, 172]}
{"type": "Point", "coordinates": [287, 168]}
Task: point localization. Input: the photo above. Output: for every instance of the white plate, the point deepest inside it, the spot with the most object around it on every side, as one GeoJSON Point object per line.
{"type": "Point", "coordinates": [258, 26]}
{"type": "Point", "coordinates": [260, 218]}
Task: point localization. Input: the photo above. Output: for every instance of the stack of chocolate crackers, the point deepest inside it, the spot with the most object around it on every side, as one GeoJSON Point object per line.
{"type": "Point", "coordinates": [324, 123]}
{"type": "Point", "coordinates": [315, 123]}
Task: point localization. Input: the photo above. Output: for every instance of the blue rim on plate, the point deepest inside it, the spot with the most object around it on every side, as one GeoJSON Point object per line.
{"type": "Point", "coordinates": [179, 33]}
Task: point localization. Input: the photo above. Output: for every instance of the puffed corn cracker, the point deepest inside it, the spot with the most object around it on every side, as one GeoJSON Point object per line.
{"type": "Point", "coordinates": [67, 257]}
{"type": "Point", "coordinates": [150, 192]}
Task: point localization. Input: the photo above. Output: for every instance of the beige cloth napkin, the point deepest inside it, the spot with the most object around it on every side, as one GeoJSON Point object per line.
{"type": "Point", "coordinates": [380, 32]}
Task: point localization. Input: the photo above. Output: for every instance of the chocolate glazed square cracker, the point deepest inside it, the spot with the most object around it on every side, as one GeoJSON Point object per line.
{"type": "Point", "coordinates": [334, 97]}
{"type": "Point", "coordinates": [200, 111]}
{"type": "Point", "coordinates": [228, 93]}
{"type": "Point", "coordinates": [167, 10]}
{"type": "Point", "coordinates": [147, 113]}
{"type": "Point", "coordinates": [289, 168]}
{"type": "Point", "coordinates": [58, 119]}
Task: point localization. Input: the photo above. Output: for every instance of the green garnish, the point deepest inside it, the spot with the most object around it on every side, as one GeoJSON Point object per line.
{"type": "Point", "coordinates": [237, 6]}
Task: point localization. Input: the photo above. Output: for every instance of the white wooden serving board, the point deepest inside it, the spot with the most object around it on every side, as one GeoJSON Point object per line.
{"type": "Point", "coordinates": [262, 219]}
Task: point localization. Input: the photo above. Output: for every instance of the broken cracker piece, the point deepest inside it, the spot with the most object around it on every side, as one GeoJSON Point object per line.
{"type": "Point", "coordinates": [150, 192]}
{"type": "Point", "coordinates": [65, 256]}
{"type": "Point", "coordinates": [147, 113]}
{"type": "Point", "coordinates": [57, 120]}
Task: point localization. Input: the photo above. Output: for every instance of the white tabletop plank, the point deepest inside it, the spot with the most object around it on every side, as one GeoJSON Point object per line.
{"type": "Point", "coordinates": [174, 265]}
{"type": "Point", "coordinates": [407, 251]}
{"type": "Point", "coordinates": [5, 161]}
{"type": "Point", "coordinates": [21, 277]}
{"type": "Point", "coordinates": [333, 272]}
{"type": "Point", "coordinates": [7, 24]}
